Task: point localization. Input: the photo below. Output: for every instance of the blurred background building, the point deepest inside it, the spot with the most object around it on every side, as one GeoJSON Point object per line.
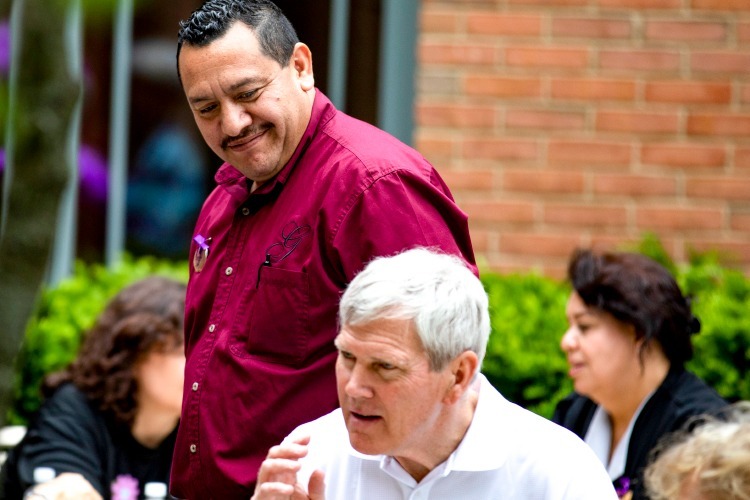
{"type": "Point", "coordinates": [556, 123]}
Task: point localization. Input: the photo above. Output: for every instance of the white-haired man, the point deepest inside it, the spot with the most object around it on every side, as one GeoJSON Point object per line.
{"type": "Point", "coordinates": [417, 420]}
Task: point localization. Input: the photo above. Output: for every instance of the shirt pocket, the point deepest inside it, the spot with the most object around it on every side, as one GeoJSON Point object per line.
{"type": "Point", "coordinates": [276, 326]}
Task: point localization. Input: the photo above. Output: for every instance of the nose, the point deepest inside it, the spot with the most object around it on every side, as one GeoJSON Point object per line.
{"type": "Point", "coordinates": [568, 341]}
{"type": "Point", "coordinates": [357, 385]}
{"type": "Point", "coordinates": [234, 119]}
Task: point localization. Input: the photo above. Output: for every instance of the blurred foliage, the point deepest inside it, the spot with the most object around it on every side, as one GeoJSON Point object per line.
{"type": "Point", "coordinates": [62, 316]}
{"type": "Point", "coordinates": [524, 360]}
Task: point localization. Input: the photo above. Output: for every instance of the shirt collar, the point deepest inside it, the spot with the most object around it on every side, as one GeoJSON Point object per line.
{"type": "Point", "coordinates": [482, 434]}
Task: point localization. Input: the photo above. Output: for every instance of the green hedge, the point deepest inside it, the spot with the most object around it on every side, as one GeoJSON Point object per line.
{"type": "Point", "coordinates": [64, 313]}
{"type": "Point", "coordinates": [524, 360]}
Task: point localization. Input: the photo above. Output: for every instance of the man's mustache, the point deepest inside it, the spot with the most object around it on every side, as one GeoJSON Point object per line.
{"type": "Point", "coordinates": [247, 131]}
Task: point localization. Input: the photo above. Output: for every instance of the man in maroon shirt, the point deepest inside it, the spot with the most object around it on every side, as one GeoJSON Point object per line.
{"type": "Point", "coordinates": [306, 197]}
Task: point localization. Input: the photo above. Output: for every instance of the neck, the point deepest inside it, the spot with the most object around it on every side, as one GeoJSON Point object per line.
{"type": "Point", "coordinates": [622, 409]}
{"type": "Point", "coordinates": [447, 435]}
{"type": "Point", "coordinates": [151, 426]}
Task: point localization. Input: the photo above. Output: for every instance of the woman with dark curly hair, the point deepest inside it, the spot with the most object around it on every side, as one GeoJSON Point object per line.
{"type": "Point", "coordinates": [628, 341]}
{"type": "Point", "coordinates": [109, 421]}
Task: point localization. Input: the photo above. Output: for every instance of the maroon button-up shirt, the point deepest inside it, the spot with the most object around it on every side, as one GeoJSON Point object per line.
{"type": "Point", "coordinates": [261, 314]}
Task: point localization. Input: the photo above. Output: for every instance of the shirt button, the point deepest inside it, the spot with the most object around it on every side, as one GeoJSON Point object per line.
{"type": "Point", "coordinates": [211, 328]}
{"type": "Point", "coordinates": [193, 448]}
{"type": "Point", "coordinates": [195, 386]}
{"type": "Point", "coordinates": [228, 271]}
{"type": "Point", "coordinates": [245, 211]}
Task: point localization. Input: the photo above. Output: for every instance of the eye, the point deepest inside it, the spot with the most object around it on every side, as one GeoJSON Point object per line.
{"type": "Point", "coordinates": [207, 109]}
{"type": "Point", "coordinates": [248, 96]}
{"type": "Point", "coordinates": [346, 355]}
{"type": "Point", "coordinates": [386, 366]}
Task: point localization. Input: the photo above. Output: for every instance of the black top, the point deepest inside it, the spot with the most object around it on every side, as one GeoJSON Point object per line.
{"type": "Point", "coordinates": [71, 435]}
{"type": "Point", "coordinates": [680, 396]}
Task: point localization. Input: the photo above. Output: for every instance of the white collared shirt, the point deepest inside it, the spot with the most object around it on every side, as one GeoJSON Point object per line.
{"type": "Point", "coordinates": [507, 453]}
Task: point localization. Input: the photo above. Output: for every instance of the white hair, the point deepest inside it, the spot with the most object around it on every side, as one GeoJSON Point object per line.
{"type": "Point", "coordinates": [445, 301]}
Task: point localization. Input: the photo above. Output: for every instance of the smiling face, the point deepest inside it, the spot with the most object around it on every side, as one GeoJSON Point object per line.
{"type": "Point", "coordinates": [390, 399]}
{"type": "Point", "coordinates": [251, 111]}
{"type": "Point", "coordinates": [602, 352]}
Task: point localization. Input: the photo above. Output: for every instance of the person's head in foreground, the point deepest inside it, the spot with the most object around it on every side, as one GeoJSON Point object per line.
{"type": "Point", "coordinates": [629, 322]}
{"type": "Point", "coordinates": [413, 333]}
{"type": "Point", "coordinates": [249, 82]}
{"type": "Point", "coordinates": [711, 463]}
{"type": "Point", "coordinates": [415, 413]}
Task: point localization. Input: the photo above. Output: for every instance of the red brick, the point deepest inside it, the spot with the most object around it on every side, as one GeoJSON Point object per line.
{"type": "Point", "coordinates": [740, 221]}
{"type": "Point", "coordinates": [431, 146]}
{"type": "Point", "coordinates": [722, 62]}
{"type": "Point", "coordinates": [486, 23]}
{"type": "Point", "coordinates": [634, 185]}
{"type": "Point", "coordinates": [640, 60]}
{"type": "Point", "coordinates": [440, 21]}
{"type": "Point", "coordinates": [586, 215]}
{"type": "Point", "coordinates": [743, 32]}
{"type": "Point", "coordinates": [719, 124]}
{"type": "Point", "coordinates": [544, 120]}
{"type": "Point", "coordinates": [729, 5]}
{"type": "Point", "coordinates": [640, 4]}
{"type": "Point", "coordinates": [590, 28]}
{"type": "Point", "coordinates": [501, 149]}
{"type": "Point", "coordinates": [567, 153]}
{"type": "Point", "coordinates": [685, 31]}
{"type": "Point", "coordinates": [725, 188]}
{"type": "Point", "coordinates": [678, 218]}
{"type": "Point", "coordinates": [472, 179]}
{"type": "Point", "coordinates": [458, 116]}
{"type": "Point", "coordinates": [545, 181]}
{"type": "Point", "coordinates": [547, 245]}
{"type": "Point", "coordinates": [683, 155]}
{"type": "Point", "coordinates": [499, 211]}
{"type": "Point", "coordinates": [593, 89]}
{"type": "Point", "coordinates": [476, 85]}
{"type": "Point", "coordinates": [471, 54]}
{"type": "Point", "coordinates": [742, 158]}
{"type": "Point", "coordinates": [637, 122]}
{"type": "Point", "coordinates": [689, 92]}
{"type": "Point", "coordinates": [480, 240]}
{"type": "Point", "coordinates": [547, 57]}
{"type": "Point", "coordinates": [549, 3]}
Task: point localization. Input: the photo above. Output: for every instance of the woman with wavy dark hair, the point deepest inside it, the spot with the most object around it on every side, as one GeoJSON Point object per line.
{"type": "Point", "coordinates": [108, 424]}
{"type": "Point", "coordinates": [627, 344]}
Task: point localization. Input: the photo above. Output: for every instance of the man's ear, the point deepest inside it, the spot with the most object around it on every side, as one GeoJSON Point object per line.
{"type": "Point", "coordinates": [462, 368]}
{"type": "Point", "coordinates": [302, 66]}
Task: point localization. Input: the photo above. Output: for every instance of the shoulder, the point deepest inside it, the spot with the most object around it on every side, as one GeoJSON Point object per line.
{"type": "Point", "coordinates": [350, 142]}
{"type": "Point", "coordinates": [545, 457]}
{"type": "Point", "coordinates": [683, 395]}
{"type": "Point", "coordinates": [574, 412]}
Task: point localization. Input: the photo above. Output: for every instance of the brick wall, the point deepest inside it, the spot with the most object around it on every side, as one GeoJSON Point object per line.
{"type": "Point", "coordinates": [564, 123]}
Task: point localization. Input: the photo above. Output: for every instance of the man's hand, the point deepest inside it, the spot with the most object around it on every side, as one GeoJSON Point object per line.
{"type": "Point", "coordinates": [66, 486]}
{"type": "Point", "coordinates": [277, 477]}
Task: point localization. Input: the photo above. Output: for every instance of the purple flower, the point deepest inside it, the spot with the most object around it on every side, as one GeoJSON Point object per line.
{"type": "Point", "coordinates": [125, 487]}
{"type": "Point", "coordinates": [622, 485]}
